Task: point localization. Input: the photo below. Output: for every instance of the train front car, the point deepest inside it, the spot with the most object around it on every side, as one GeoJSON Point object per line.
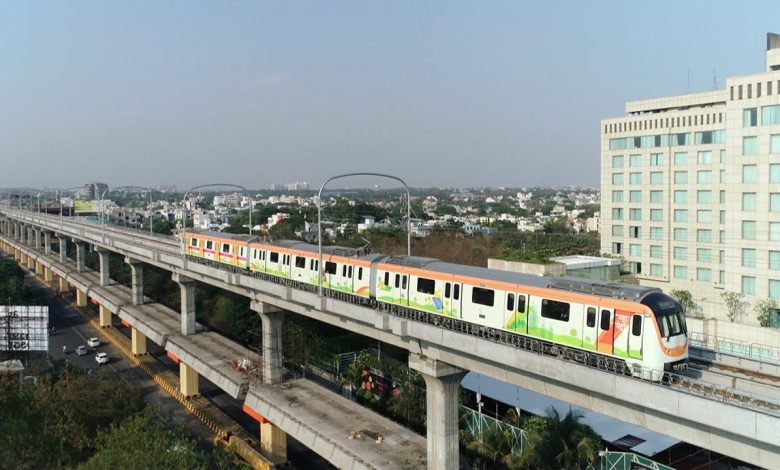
{"type": "Point", "coordinates": [671, 332]}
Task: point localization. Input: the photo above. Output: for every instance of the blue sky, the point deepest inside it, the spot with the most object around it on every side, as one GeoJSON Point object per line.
{"type": "Point", "coordinates": [439, 93]}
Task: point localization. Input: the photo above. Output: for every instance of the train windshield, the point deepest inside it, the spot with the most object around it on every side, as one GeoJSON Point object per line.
{"type": "Point", "coordinates": [672, 323]}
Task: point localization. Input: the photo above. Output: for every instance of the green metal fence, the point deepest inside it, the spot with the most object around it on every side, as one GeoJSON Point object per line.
{"type": "Point", "coordinates": [481, 427]}
{"type": "Point", "coordinates": [625, 461]}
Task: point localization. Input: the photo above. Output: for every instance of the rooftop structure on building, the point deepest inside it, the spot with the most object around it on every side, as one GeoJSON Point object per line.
{"type": "Point", "coordinates": [691, 189]}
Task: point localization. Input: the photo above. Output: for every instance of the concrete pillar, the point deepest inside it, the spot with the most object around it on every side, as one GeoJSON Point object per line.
{"type": "Point", "coordinates": [137, 342]}
{"type": "Point", "coordinates": [29, 235]}
{"type": "Point", "coordinates": [187, 287]}
{"type": "Point", "coordinates": [30, 263]}
{"type": "Point", "coordinates": [17, 231]}
{"type": "Point", "coordinates": [47, 278]}
{"type": "Point", "coordinates": [272, 319]}
{"type": "Point", "coordinates": [81, 298]}
{"type": "Point", "coordinates": [442, 384]}
{"type": "Point", "coordinates": [81, 257]}
{"type": "Point", "coordinates": [63, 284]}
{"type": "Point", "coordinates": [104, 317]}
{"type": "Point", "coordinates": [273, 443]}
{"type": "Point", "coordinates": [37, 242]}
{"type": "Point", "coordinates": [39, 267]}
{"type": "Point", "coordinates": [18, 256]}
{"type": "Point", "coordinates": [63, 248]}
{"type": "Point", "coordinates": [103, 256]}
{"type": "Point", "coordinates": [22, 233]}
{"type": "Point", "coordinates": [47, 243]}
{"type": "Point", "coordinates": [188, 380]}
{"type": "Point", "coordinates": [137, 275]}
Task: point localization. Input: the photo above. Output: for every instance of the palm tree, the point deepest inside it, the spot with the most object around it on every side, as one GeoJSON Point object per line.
{"type": "Point", "coordinates": [564, 443]}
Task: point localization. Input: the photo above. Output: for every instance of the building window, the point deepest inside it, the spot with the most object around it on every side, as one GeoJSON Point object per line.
{"type": "Point", "coordinates": [749, 174]}
{"type": "Point", "coordinates": [750, 146]}
{"type": "Point", "coordinates": [704, 216]}
{"type": "Point", "coordinates": [656, 270]}
{"type": "Point", "coordinates": [722, 197]}
{"type": "Point", "coordinates": [704, 235]}
{"type": "Point", "coordinates": [705, 157]}
{"type": "Point", "coordinates": [681, 197]}
{"type": "Point", "coordinates": [749, 202]}
{"type": "Point", "coordinates": [617, 161]}
{"type": "Point", "coordinates": [635, 232]}
{"type": "Point", "coordinates": [617, 230]}
{"type": "Point", "coordinates": [656, 215]}
{"type": "Point", "coordinates": [722, 176]}
{"type": "Point", "coordinates": [635, 196]}
{"type": "Point", "coordinates": [748, 258]}
{"type": "Point", "coordinates": [774, 173]}
{"type": "Point", "coordinates": [617, 248]}
{"type": "Point", "coordinates": [774, 202]}
{"type": "Point", "coordinates": [635, 267]}
{"type": "Point", "coordinates": [680, 234]}
{"type": "Point", "coordinates": [656, 197]}
{"type": "Point", "coordinates": [634, 250]}
{"type": "Point", "coordinates": [681, 158]}
{"type": "Point", "coordinates": [681, 253]}
{"type": "Point", "coordinates": [656, 177]}
{"type": "Point", "coordinates": [748, 285]}
{"type": "Point", "coordinates": [750, 117]}
{"type": "Point", "coordinates": [722, 237]}
{"type": "Point", "coordinates": [656, 251]}
{"type": "Point", "coordinates": [680, 177]}
{"type": "Point", "coordinates": [635, 160]}
{"type": "Point", "coordinates": [774, 227]}
{"type": "Point", "coordinates": [723, 156]}
{"type": "Point", "coordinates": [748, 229]}
{"type": "Point", "coordinates": [774, 289]}
{"type": "Point", "coordinates": [770, 115]}
{"type": "Point", "coordinates": [721, 257]}
{"type": "Point", "coordinates": [704, 177]}
{"type": "Point", "coordinates": [774, 143]}
{"type": "Point", "coordinates": [656, 233]}
{"type": "Point", "coordinates": [681, 272]}
{"type": "Point", "coordinates": [635, 178]}
{"type": "Point", "coordinates": [635, 214]}
{"type": "Point", "coordinates": [681, 215]}
{"type": "Point", "coordinates": [722, 277]}
{"type": "Point", "coordinates": [704, 197]}
{"type": "Point", "coordinates": [704, 255]}
{"type": "Point", "coordinates": [617, 196]}
{"type": "Point", "coordinates": [656, 159]}
{"type": "Point", "coordinates": [704, 274]}
{"type": "Point", "coordinates": [617, 213]}
{"type": "Point", "coordinates": [722, 217]}
{"type": "Point", "coordinates": [617, 178]}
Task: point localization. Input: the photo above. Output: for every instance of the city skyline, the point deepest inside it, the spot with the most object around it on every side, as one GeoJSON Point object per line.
{"type": "Point", "coordinates": [188, 93]}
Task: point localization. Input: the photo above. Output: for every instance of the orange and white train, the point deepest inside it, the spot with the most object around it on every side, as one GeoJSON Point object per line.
{"type": "Point", "coordinates": [628, 328]}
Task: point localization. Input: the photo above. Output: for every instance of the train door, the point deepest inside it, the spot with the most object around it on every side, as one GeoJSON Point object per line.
{"type": "Point", "coordinates": [590, 329]}
{"type": "Point", "coordinates": [451, 301]}
{"type": "Point", "coordinates": [605, 331]}
{"type": "Point", "coordinates": [401, 288]}
{"type": "Point", "coordinates": [242, 252]}
{"type": "Point", "coordinates": [299, 269]}
{"type": "Point", "coordinates": [620, 332]}
{"type": "Point", "coordinates": [635, 337]}
{"type": "Point", "coordinates": [209, 250]}
{"type": "Point", "coordinates": [515, 313]}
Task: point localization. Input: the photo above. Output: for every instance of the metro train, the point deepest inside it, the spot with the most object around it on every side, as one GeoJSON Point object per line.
{"type": "Point", "coordinates": [634, 329]}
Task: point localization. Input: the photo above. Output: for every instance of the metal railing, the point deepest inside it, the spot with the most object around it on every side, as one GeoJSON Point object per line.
{"type": "Point", "coordinates": [755, 351]}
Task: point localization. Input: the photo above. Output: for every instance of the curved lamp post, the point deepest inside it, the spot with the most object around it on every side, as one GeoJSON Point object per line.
{"type": "Point", "coordinates": [319, 216]}
{"type": "Point", "coordinates": [184, 212]}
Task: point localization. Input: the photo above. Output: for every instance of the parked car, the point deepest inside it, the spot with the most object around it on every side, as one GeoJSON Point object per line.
{"type": "Point", "coordinates": [81, 350]}
{"type": "Point", "coordinates": [93, 342]}
{"type": "Point", "coordinates": [101, 358]}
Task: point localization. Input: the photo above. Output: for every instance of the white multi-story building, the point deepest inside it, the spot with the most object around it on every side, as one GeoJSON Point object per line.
{"type": "Point", "coordinates": [691, 189]}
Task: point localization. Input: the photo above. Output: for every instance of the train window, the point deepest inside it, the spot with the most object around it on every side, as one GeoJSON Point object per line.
{"type": "Point", "coordinates": [456, 292]}
{"type": "Point", "coordinates": [590, 320]}
{"type": "Point", "coordinates": [241, 251]}
{"type": "Point", "coordinates": [316, 265]}
{"type": "Point", "coordinates": [397, 280]}
{"type": "Point", "coordinates": [311, 264]}
{"type": "Point", "coordinates": [403, 282]}
{"type": "Point", "coordinates": [426, 286]}
{"type": "Point", "coordinates": [344, 270]}
{"type": "Point", "coordinates": [330, 267]}
{"type": "Point", "coordinates": [274, 257]}
{"type": "Point", "coordinates": [360, 274]}
{"type": "Point", "coordinates": [447, 290]}
{"type": "Point", "coordinates": [349, 272]}
{"type": "Point", "coordinates": [387, 279]}
{"type": "Point", "coordinates": [226, 248]}
{"type": "Point", "coordinates": [209, 245]}
{"type": "Point", "coordinates": [555, 310]}
{"type": "Point", "coordinates": [605, 319]}
{"type": "Point", "coordinates": [483, 296]}
{"type": "Point", "coordinates": [300, 262]}
{"type": "Point", "coordinates": [510, 302]}
{"type": "Point", "coordinates": [521, 303]}
{"type": "Point", "coordinates": [193, 242]}
{"type": "Point", "coordinates": [636, 325]}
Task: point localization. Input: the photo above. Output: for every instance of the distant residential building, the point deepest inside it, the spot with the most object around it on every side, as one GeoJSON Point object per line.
{"type": "Point", "coordinates": [691, 189]}
{"type": "Point", "coordinates": [92, 190]}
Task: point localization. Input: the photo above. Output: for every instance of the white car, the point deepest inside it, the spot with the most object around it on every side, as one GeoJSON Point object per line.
{"type": "Point", "coordinates": [101, 358]}
{"type": "Point", "coordinates": [93, 342]}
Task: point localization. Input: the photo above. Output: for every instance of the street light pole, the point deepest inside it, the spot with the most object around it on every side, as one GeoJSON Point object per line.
{"type": "Point", "coordinates": [184, 212]}
{"type": "Point", "coordinates": [319, 216]}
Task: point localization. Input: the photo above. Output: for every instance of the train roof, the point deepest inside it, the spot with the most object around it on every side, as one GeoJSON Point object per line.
{"type": "Point", "coordinates": [230, 236]}
{"type": "Point", "coordinates": [326, 249]}
{"type": "Point", "coordinates": [588, 286]}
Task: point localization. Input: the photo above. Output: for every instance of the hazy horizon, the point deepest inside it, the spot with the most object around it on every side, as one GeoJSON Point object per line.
{"type": "Point", "coordinates": [456, 94]}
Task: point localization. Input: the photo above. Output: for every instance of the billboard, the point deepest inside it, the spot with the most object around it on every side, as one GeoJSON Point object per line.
{"type": "Point", "coordinates": [82, 206]}
{"type": "Point", "coordinates": [24, 328]}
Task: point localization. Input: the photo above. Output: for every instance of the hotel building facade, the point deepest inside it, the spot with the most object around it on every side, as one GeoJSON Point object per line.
{"type": "Point", "coordinates": [691, 190]}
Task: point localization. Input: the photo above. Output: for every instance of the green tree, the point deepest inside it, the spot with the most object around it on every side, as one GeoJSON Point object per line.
{"type": "Point", "coordinates": [685, 298]}
{"type": "Point", "coordinates": [764, 310]}
{"type": "Point", "coordinates": [564, 443]}
{"type": "Point", "coordinates": [735, 304]}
